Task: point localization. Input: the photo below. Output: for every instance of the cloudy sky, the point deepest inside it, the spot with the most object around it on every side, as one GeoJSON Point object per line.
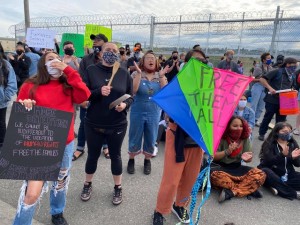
{"type": "Point", "coordinates": [12, 12]}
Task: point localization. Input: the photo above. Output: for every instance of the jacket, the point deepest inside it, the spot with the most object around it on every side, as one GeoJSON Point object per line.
{"type": "Point", "coordinates": [6, 93]}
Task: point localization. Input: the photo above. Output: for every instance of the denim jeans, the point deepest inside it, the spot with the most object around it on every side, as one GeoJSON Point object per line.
{"type": "Point", "coordinates": [58, 192]}
{"type": "Point", "coordinates": [257, 100]}
{"type": "Point", "coordinates": [271, 109]}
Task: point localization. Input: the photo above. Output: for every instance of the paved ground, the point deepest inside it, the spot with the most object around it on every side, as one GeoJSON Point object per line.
{"type": "Point", "coordinates": [140, 193]}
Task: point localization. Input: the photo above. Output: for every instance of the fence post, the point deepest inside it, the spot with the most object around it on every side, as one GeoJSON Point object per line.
{"type": "Point", "coordinates": [241, 36]}
{"type": "Point", "coordinates": [208, 35]}
{"type": "Point", "coordinates": [152, 26]}
{"type": "Point", "coordinates": [274, 30]}
{"type": "Point", "coordinates": [179, 32]}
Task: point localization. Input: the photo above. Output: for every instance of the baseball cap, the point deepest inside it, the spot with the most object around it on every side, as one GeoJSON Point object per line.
{"type": "Point", "coordinates": [99, 36]}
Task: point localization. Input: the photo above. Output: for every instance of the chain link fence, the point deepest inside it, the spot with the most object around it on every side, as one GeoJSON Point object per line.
{"type": "Point", "coordinates": [248, 33]}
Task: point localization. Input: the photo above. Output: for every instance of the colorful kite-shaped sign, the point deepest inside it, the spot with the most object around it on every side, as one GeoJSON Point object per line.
{"type": "Point", "coordinates": [201, 101]}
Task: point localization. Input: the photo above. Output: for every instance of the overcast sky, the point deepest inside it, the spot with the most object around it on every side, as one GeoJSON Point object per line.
{"type": "Point", "coordinates": [12, 12]}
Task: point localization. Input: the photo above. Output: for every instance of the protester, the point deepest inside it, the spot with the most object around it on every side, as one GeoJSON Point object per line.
{"type": "Point", "coordinates": [66, 88]}
{"type": "Point", "coordinates": [34, 57]}
{"type": "Point", "coordinates": [173, 63]}
{"type": "Point", "coordinates": [90, 59]}
{"type": "Point", "coordinates": [69, 58]}
{"type": "Point", "coordinates": [144, 113]}
{"type": "Point", "coordinates": [123, 59]}
{"type": "Point", "coordinates": [8, 88]}
{"type": "Point", "coordinates": [209, 63]}
{"type": "Point", "coordinates": [258, 90]}
{"type": "Point", "coordinates": [245, 112]}
{"type": "Point", "coordinates": [279, 61]}
{"type": "Point", "coordinates": [182, 164]}
{"type": "Point", "coordinates": [104, 123]}
{"type": "Point", "coordinates": [181, 57]}
{"type": "Point", "coordinates": [240, 66]}
{"type": "Point", "coordinates": [229, 175]}
{"type": "Point", "coordinates": [279, 154]}
{"type": "Point", "coordinates": [278, 79]}
{"type": "Point", "coordinates": [21, 63]}
{"type": "Point", "coordinates": [137, 55]}
{"type": "Point", "coordinates": [228, 63]}
{"type": "Point", "coordinates": [296, 131]}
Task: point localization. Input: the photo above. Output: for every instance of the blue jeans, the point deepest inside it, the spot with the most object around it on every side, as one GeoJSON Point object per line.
{"type": "Point", "coordinates": [58, 192]}
{"type": "Point", "coordinates": [81, 134]}
{"type": "Point", "coordinates": [143, 124]}
{"type": "Point", "coordinates": [257, 100]}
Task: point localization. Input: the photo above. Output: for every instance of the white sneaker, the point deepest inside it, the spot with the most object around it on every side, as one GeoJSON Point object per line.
{"type": "Point", "coordinates": [155, 150]}
{"type": "Point", "coordinates": [274, 191]}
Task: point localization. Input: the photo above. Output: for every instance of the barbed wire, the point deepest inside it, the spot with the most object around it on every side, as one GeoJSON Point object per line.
{"type": "Point", "coordinates": [234, 28]}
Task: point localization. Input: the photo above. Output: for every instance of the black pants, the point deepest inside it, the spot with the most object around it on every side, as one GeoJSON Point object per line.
{"type": "Point", "coordinates": [285, 189]}
{"type": "Point", "coordinates": [95, 138]}
{"type": "Point", "coordinates": [2, 125]}
{"type": "Point", "coordinates": [271, 109]}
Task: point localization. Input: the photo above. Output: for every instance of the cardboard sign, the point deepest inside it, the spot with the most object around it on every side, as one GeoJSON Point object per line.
{"type": "Point", "coordinates": [40, 38]}
{"type": "Point", "coordinates": [34, 143]}
{"type": "Point", "coordinates": [77, 39]}
{"type": "Point", "coordinates": [95, 29]}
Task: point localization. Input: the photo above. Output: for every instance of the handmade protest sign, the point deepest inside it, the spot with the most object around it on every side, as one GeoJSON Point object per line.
{"type": "Point", "coordinates": [201, 101]}
{"type": "Point", "coordinates": [40, 38]}
{"type": "Point", "coordinates": [35, 142]}
{"type": "Point", "coordinates": [77, 40]}
{"type": "Point", "coordinates": [95, 29]}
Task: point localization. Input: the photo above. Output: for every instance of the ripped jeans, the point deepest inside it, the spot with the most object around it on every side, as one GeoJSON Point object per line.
{"type": "Point", "coordinates": [58, 192]}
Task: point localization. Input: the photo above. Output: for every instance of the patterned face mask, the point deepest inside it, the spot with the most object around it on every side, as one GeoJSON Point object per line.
{"type": "Point", "coordinates": [109, 57]}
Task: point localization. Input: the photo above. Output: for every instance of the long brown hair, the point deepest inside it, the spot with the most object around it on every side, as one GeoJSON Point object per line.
{"type": "Point", "coordinates": [142, 62]}
{"type": "Point", "coordinates": [43, 77]}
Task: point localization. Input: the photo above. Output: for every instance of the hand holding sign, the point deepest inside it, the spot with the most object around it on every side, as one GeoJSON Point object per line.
{"type": "Point", "coordinates": [28, 103]}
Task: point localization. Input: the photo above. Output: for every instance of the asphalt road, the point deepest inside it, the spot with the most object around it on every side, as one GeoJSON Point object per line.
{"type": "Point", "coordinates": [139, 198]}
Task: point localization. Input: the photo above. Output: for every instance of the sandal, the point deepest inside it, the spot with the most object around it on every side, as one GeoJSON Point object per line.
{"type": "Point", "coordinates": [77, 157]}
{"type": "Point", "coordinates": [106, 155]}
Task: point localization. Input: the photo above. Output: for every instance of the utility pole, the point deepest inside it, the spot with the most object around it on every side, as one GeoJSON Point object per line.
{"type": "Point", "coordinates": [26, 15]}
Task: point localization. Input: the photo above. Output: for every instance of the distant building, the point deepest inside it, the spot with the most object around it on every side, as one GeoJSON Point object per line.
{"type": "Point", "coordinates": [9, 44]}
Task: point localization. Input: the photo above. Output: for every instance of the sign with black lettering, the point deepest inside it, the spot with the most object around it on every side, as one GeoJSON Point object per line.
{"type": "Point", "coordinates": [34, 143]}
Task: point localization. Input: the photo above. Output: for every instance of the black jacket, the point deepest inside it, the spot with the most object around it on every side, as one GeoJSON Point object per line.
{"type": "Point", "coordinates": [21, 66]}
{"type": "Point", "coordinates": [98, 113]}
{"type": "Point", "coordinates": [272, 157]}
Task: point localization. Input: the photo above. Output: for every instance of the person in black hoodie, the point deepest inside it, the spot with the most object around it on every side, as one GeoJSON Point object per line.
{"type": "Point", "coordinates": [278, 156]}
{"type": "Point", "coordinates": [104, 123]}
{"type": "Point", "coordinates": [21, 63]}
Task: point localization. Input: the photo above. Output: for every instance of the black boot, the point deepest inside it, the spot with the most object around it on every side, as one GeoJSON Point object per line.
{"type": "Point", "coordinates": [226, 194]}
{"type": "Point", "coordinates": [147, 166]}
{"type": "Point", "coordinates": [130, 166]}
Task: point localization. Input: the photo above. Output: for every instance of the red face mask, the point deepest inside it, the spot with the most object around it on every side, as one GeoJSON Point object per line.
{"type": "Point", "coordinates": [235, 134]}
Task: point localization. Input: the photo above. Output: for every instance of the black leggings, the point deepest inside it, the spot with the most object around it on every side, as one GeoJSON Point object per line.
{"type": "Point", "coordinates": [287, 189]}
{"type": "Point", "coordinates": [95, 138]}
{"type": "Point", "coordinates": [2, 125]}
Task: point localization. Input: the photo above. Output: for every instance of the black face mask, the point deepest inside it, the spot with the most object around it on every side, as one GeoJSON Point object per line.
{"type": "Point", "coordinates": [97, 49]}
{"type": "Point", "coordinates": [175, 57]}
{"type": "Point", "coordinates": [69, 51]}
{"type": "Point", "coordinates": [122, 52]}
{"type": "Point", "coordinates": [19, 52]}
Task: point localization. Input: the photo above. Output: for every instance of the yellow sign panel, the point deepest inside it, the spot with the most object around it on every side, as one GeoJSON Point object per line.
{"type": "Point", "coordinates": [95, 29]}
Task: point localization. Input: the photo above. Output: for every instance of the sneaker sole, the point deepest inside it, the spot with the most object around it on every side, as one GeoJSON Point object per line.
{"type": "Point", "coordinates": [117, 203]}
{"type": "Point", "coordinates": [182, 221]}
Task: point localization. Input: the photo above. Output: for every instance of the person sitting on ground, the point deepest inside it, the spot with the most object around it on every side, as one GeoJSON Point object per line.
{"type": "Point", "coordinates": [279, 154]}
{"type": "Point", "coordinates": [245, 112]}
{"type": "Point", "coordinates": [233, 178]}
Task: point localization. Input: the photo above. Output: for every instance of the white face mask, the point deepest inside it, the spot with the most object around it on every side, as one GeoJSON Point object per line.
{"type": "Point", "coordinates": [242, 103]}
{"type": "Point", "coordinates": [55, 73]}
